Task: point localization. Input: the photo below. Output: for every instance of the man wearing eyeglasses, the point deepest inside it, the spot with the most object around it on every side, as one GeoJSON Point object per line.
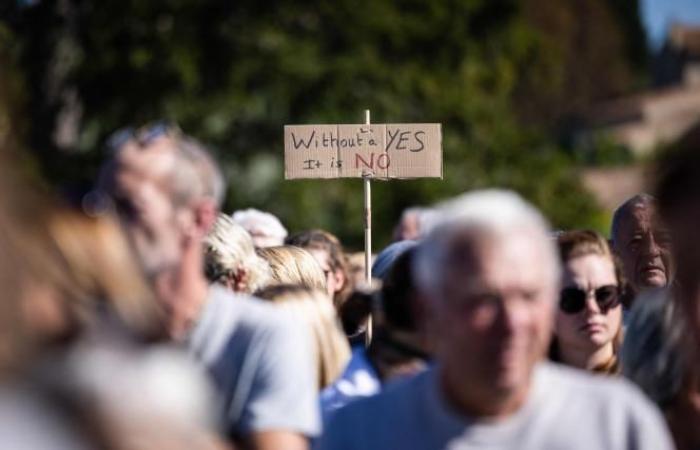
{"type": "Point", "coordinates": [167, 190]}
{"type": "Point", "coordinates": [641, 243]}
{"type": "Point", "coordinates": [489, 275]}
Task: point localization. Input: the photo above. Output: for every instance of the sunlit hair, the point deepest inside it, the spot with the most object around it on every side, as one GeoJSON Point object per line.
{"type": "Point", "coordinates": [323, 240]}
{"type": "Point", "coordinates": [578, 243]}
{"type": "Point", "coordinates": [89, 264]}
{"type": "Point", "coordinates": [575, 243]}
{"type": "Point", "coordinates": [293, 265]}
{"type": "Point", "coordinates": [313, 308]}
{"type": "Point", "coordinates": [229, 254]}
{"type": "Point", "coordinates": [487, 213]}
{"type": "Point", "coordinates": [265, 229]}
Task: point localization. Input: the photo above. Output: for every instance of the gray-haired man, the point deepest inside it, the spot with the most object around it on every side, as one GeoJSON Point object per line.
{"type": "Point", "coordinates": [167, 190]}
{"type": "Point", "coordinates": [490, 277]}
{"type": "Point", "coordinates": [642, 243]}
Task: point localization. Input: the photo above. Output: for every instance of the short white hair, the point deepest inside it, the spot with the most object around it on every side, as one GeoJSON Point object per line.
{"type": "Point", "coordinates": [492, 211]}
{"type": "Point", "coordinates": [265, 229]}
{"type": "Point", "coordinates": [227, 249]}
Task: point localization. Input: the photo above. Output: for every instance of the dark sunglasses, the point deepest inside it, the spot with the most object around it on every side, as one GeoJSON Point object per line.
{"type": "Point", "coordinates": [573, 300]}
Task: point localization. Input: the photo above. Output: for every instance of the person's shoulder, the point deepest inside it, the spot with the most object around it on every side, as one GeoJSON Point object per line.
{"type": "Point", "coordinates": [395, 396]}
{"type": "Point", "coordinates": [611, 407]}
{"type": "Point", "coordinates": [249, 312]}
{"type": "Point", "coordinates": [372, 422]}
{"type": "Point", "coordinates": [358, 380]}
{"type": "Point", "coordinates": [596, 387]}
{"type": "Point", "coordinates": [616, 396]}
{"type": "Point", "coordinates": [226, 316]}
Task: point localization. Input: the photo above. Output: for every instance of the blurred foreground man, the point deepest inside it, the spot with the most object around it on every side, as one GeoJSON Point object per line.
{"type": "Point", "coordinates": [489, 273]}
{"type": "Point", "coordinates": [167, 190]}
{"type": "Point", "coordinates": [678, 191]}
{"type": "Point", "coordinates": [641, 243]}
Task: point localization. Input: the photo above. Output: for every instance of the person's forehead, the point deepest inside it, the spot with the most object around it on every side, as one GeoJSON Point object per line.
{"type": "Point", "coordinates": [321, 256]}
{"type": "Point", "coordinates": [639, 214]}
{"type": "Point", "coordinates": [513, 259]}
{"type": "Point", "coordinates": [155, 161]}
{"type": "Point", "coordinates": [590, 269]}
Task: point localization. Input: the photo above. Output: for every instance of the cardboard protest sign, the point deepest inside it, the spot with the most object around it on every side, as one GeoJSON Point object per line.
{"type": "Point", "coordinates": [380, 151]}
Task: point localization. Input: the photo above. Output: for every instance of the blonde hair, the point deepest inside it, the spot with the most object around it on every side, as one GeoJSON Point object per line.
{"type": "Point", "coordinates": [229, 249]}
{"type": "Point", "coordinates": [294, 265]}
{"type": "Point", "coordinates": [91, 265]}
{"type": "Point", "coordinates": [315, 309]}
{"type": "Point", "coordinates": [317, 239]}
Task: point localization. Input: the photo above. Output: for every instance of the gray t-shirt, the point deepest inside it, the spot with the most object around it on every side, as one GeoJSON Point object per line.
{"type": "Point", "coordinates": [565, 409]}
{"type": "Point", "coordinates": [262, 364]}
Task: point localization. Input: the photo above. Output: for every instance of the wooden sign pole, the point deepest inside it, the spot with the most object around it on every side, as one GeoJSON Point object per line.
{"type": "Point", "coordinates": [368, 241]}
{"type": "Point", "coordinates": [368, 220]}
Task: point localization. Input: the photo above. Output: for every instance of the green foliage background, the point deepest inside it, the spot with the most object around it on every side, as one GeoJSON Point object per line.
{"type": "Point", "coordinates": [498, 75]}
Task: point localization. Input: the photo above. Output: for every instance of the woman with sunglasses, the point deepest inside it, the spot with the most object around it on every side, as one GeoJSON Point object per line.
{"type": "Point", "coordinates": [588, 322]}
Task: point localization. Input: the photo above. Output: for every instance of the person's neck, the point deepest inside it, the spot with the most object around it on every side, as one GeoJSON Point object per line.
{"type": "Point", "coordinates": [587, 358]}
{"type": "Point", "coordinates": [479, 403]}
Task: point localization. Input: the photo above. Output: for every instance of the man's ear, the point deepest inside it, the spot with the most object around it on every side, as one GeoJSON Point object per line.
{"type": "Point", "coordinates": [205, 213]}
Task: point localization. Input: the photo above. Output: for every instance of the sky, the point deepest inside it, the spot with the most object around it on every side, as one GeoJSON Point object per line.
{"type": "Point", "coordinates": [658, 14]}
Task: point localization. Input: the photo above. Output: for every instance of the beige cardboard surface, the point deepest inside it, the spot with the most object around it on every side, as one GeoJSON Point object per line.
{"type": "Point", "coordinates": [309, 151]}
{"type": "Point", "coordinates": [367, 156]}
{"type": "Point", "coordinates": [415, 150]}
{"type": "Point", "coordinates": [356, 150]}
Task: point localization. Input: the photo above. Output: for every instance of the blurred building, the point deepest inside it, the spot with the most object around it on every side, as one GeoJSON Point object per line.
{"type": "Point", "coordinates": [658, 116]}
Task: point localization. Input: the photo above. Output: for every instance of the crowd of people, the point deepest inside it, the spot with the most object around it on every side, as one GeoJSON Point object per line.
{"type": "Point", "coordinates": [147, 318]}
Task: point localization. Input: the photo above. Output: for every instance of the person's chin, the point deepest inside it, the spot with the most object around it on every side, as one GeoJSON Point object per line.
{"type": "Point", "coordinates": [653, 279]}
{"type": "Point", "coordinates": [509, 375]}
{"type": "Point", "coordinates": [599, 339]}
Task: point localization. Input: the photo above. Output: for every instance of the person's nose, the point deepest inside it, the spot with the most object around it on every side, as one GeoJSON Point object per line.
{"type": "Point", "coordinates": [651, 247]}
{"type": "Point", "coordinates": [591, 303]}
{"type": "Point", "coordinates": [513, 315]}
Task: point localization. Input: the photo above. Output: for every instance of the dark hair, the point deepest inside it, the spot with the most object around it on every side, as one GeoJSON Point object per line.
{"type": "Point", "coordinates": [398, 293]}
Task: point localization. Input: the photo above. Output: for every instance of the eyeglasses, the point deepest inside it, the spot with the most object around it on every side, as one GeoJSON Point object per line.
{"type": "Point", "coordinates": [144, 135]}
{"type": "Point", "coordinates": [573, 300]}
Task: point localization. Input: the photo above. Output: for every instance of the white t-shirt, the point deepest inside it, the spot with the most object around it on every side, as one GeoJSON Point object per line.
{"type": "Point", "coordinates": [262, 363]}
{"type": "Point", "coordinates": [566, 409]}
{"type": "Point", "coordinates": [28, 422]}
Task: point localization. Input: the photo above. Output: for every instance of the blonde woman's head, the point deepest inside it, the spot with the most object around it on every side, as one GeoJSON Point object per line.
{"type": "Point", "coordinates": [294, 265]}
